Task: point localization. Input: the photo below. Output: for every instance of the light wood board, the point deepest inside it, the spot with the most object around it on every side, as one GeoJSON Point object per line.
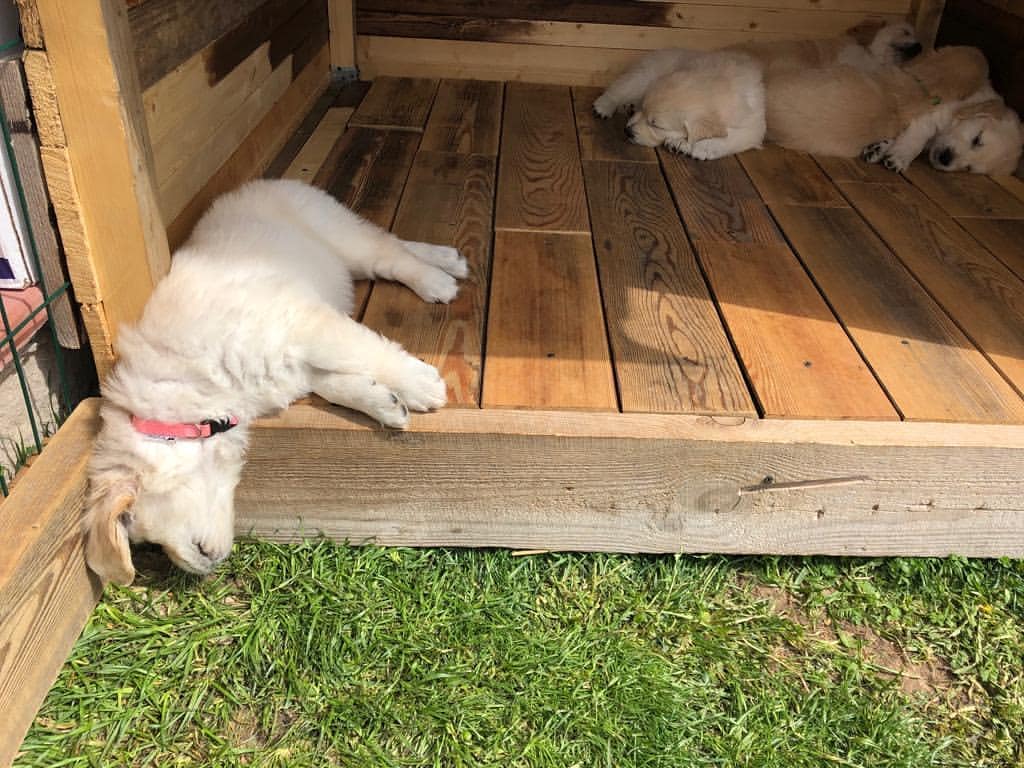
{"type": "Point", "coordinates": [546, 341]}
{"type": "Point", "coordinates": [966, 194]}
{"type": "Point", "coordinates": [1003, 237]}
{"type": "Point", "coordinates": [396, 102]}
{"type": "Point", "coordinates": [785, 177]}
{"type": "Point", "coordinates": [465, 118]}
{"type": "Point", "coordinates": [670, 349]}
{"type": "Point", "coordinates": [314, 152]}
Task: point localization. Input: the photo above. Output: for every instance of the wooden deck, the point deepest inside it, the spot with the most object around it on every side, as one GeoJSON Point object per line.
{"type": "Point", "coordinates": [771, 354]}
{"type": "Point", "coordinates": [612, 278]}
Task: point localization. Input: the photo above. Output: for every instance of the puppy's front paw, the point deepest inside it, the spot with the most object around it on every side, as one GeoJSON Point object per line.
{"type": "Point", "coordinates": [441, 256]}
{"type": "Point", "coordinates": [419, 385]}
{"type": "Point", "coordinates": [896, 161]}
{"type": "Point", "coordinates": [873, 153]}
{"type": "Point", "coordinates": [603, 106]}
{"type": "Point", "coordinates": [386, 407]}
{"type": "Point", "coordinates": [434, 285]}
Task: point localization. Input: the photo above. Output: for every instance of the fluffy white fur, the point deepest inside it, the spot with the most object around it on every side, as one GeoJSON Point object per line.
{"type": "Point", "coordinates": [892, 44]}
{"type": "Point", "coordinates": [253, 314]}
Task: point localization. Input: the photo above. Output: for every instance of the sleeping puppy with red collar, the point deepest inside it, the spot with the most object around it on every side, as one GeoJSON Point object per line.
{"type": "Point", "coordinates": [253, 314]}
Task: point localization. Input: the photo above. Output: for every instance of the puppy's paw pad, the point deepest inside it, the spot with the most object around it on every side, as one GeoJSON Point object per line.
{"type": "Point", "coordinates": [420, 385]}
{"type": "Point", "coordinates": [873, 153]}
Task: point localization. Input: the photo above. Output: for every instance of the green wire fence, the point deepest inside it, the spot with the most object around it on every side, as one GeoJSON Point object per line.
{"type": "Point", "coordinates": [50, 294]}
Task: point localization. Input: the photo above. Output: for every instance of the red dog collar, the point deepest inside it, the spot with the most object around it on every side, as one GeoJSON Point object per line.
{"type": "Point", "coordinates": [179, 430]}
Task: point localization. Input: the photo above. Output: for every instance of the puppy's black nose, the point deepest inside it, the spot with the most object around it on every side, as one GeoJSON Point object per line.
{"type": "Point", "coordinates": [945, 157]}
{"type": "Point", "coordinates": [910, 51]}
{"type": "Point", "coordinates": [629, 131]}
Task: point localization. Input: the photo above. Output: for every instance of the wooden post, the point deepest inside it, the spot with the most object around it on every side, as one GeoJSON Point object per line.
{"type": "Point", "coordinates": [926, 17]}
{"type": "Point", "coordinates": [343, 33]}
{"type": "Point", "coordinates": [107, 175]}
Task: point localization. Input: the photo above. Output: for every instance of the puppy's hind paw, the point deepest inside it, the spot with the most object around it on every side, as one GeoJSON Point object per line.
{"type": "Point", "coordinates": [603, 108]}
{"type": "Point", "coordinates": [873, 153]}
{"type": "Point", "coordinates": [434, 285]}
{"type": "Point", "coordinates": [441, 256]}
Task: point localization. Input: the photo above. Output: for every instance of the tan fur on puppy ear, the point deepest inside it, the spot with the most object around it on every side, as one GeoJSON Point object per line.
{"type": "Point", "coordinates": [706, 127]}
{"type": "Point", "coordinates": [993, 108]}
{"type": "Point", "coordinates": [106, 545]}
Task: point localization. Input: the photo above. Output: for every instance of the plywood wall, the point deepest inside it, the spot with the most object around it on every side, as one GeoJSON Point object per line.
{"type": "Point", "coordinates": [584, 42]}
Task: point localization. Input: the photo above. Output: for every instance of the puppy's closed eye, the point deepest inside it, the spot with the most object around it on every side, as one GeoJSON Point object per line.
{"type": "Point", "coordinates": [976, 142]}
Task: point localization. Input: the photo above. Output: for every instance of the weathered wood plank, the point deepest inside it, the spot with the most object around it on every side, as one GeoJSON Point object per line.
{"type": "Point", "coordinates": [621, 482]}
{"type": "Point", "coordinates": [717, 201]}
{"type": "Point", "coordinates": [1003, 237]}
{"type": "Point", "coordinates": [853, 169]}
{"type": "Point", "coordinates": [396, 102]}
{"type": "Point", "coordinates": [526, 19]}
{"type": "Point", "coordinates": [462, 59]}
{"type": "Point", "coordinates": [604, 139]}
{"type": "Point", "coordinates": [930, 369]}
{"type": "Point", "coordinates": [785, 177]}
{"type": "Point", "coordinates": [968, 195]}
{"type": "Point", "coordinates": [314, 152]}
{"type": "Point", "coordinates": [169, 32]}
{"type": "Point", "coordinates": [465, 118]}
{"type": "Point", "coordinates": [290, 150]}
{"type": "Point", "coordinates": [546, 342]}
{"type": "Point", "coordinates": [671, 353]}
{"type": "Point", "coordinates": [799, 360]}
{"type": "Point", "coordinates": [89, 49]}
{"type": "Point", "coordinates": [258, 149]}
{"type": "Point", "coordinates": [448, 200]}
{"type": "Point", "coordinates": [540, 182]}
{"type": "Point", "coordinates": [46, 590]}
{"type": "Point", "coordinates": [366, 170]}
{"type": "Point", "coordinates": [976, 289]}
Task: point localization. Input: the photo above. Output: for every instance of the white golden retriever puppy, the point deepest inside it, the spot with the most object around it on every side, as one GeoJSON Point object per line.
{"type": "Point", "coordinates": [253, 314]}
{"type": "Point", "coordinates": [892, 44]}
{"type": "Point", "coordinates": [711, 108]}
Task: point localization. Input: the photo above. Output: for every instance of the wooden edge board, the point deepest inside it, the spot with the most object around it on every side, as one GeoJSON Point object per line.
{"type": "Point", "coordinates": [46, 590]}
{"type": "Point", "coordinates": [314, 152]}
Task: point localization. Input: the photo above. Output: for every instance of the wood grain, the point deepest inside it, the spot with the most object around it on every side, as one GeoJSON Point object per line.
{"type": "Point", "coordinates": [604, 139]}
{"type": "Point", "coordinates": [785, 177]}
{"type": "Point", "coordinates": [366, 170]}
{"type": "Point", "coordinates": [1003, 237]}
{"type": "Point", "coordinates": [46, 591]}
{"type": "Point", "coordinates": [798, 358]}
{"type": "Point", "coordinates": [670, 350]}
{"type": "Point", "coordinates": [930, 369]}
{"type": "Point", "coordinates": [966, 194]}
{"type": "Point", "coordinates": [976, 289]}
{"type": "Point", "coordinates": [341, 14]}
{"type": "Point", "coordinates": [314, 152]}
{"type": "Point", "coordinates": [89, 50]}
{"type": "Point", "coordinates": [546, 342]}
{"type": "Point", "coordinates": [465, 118]}
{"type": "Point", "coordinates": [448, 200]}
{"type": "Point", "coordinates": [852, 169]}
{"type": "Point", "coordinates": [540, 182]}
{"type": "Point", "coordinates": [396, 102]}
{"type": "Point", "coordinates": [541, 480]}
{"type": "Point", "coordinates": [717, 201]}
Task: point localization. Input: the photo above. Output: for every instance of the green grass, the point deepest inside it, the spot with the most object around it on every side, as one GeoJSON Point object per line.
{"type": "Point", "coordinates": [329, 655]}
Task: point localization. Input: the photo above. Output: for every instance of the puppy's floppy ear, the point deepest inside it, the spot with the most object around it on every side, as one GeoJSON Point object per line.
{"type": "Point", "coordinates": [106, 538]}
{"type": "Point", "coordinates": [705, 127]}
{"type": "Point", "coordinates": [994, 108]}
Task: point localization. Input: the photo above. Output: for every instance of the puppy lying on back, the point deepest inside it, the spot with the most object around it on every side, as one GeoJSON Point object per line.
{"type": "Point", "coordinates": [253, 314]}
{"type": "Point", "coordinates": [840, 110]}
{"type": "Point", "coordinates": [712, 108]}
{"type": "Point", "coordinates": [891, 45]}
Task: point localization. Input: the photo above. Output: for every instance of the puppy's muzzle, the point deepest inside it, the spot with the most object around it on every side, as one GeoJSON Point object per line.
{"type": "Point", "coordinates": [942, 157]}
{"type": "Point", "coordinates": [907, 52]}
{"type": "Point", "coordinates": [630, 133]}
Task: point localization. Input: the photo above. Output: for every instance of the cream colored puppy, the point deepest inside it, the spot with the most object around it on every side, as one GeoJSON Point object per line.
{"type": "Point", "coordinates": [978, 135]}
{"type": "Point", "coordinates": [710, 109]}
{"type": "Point", "coordinates": [840, 110]}
{"type": "Point", "coordinates": [893, 44]}
{"type": "Point", "coordinates": [253, 314]}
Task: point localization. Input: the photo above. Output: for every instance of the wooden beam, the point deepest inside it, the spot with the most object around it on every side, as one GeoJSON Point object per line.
{"type": "Point", "coordinates": [637, 483]}
{"type": "Point", "coordinates": [926, 16]}
{"type": "Point", "coordinates": [90, 55]}
{"type": "Point", "coordinates": [46, 590]}
{"type": "Point", "coordinates": [341, 16]}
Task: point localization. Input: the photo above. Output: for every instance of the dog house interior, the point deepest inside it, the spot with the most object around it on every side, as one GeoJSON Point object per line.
{"type": "Point", "coordinates": [769, 353]}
